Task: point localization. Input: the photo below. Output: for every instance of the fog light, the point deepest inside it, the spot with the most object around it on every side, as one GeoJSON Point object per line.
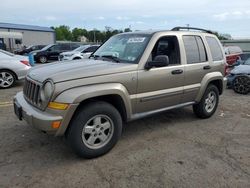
{"type": "Point", "coordinates": [58, 106]}
{"type": "Point", "coordinates": [56, 124]}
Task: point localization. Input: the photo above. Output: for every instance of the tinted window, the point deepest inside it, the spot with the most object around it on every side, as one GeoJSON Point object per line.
{"type": "Point", "coordinates": [202, 51]}
{"type": "Point", "coordinates": [64, 47]}
{"type": "Point", "coordinates": [192, 50]}
{"type": "Point", "coordinates": [74, 46]}
{"type": "Point", "coordinates": [214, 48]}
{"type": "Point", "coordinates": [195, 49]}
{"type": "Point", "coordinates": [90, 49]}
{"type": "Point", "coordinates": [54, 48]}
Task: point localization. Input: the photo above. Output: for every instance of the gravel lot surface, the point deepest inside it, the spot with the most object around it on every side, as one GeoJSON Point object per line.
{"type": "Point", "coordinates": [172, 149]}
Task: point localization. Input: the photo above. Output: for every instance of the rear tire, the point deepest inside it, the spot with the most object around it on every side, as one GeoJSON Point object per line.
{"type": "Point", "coordinates": [7, 79]}
{"type": "Point", "coordinates": [94, 129]}
{"type": "Point", "coordinates": [241, 84]}
{"type": "Point", "coordinates": [208, 104]}
{"type": "Point", "coordinates": [43, 59]}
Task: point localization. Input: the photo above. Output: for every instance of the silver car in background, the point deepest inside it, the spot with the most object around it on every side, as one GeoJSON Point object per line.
{"type": "Point", "coordinates": [12, 68]}
{"type": "Point", "coordinates": [81, 52]}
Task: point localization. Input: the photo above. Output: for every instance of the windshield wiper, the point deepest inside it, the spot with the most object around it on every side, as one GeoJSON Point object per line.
{"type": "Point", "coordinates": [114, 58]}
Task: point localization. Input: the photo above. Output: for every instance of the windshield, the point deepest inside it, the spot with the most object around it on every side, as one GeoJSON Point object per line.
{"type": "Point", "coordinates": [47, 47]}
{"type": "Point", "coordinates": [247, 62]}
{"type": "Point", "coordinates": [81, 48]}
{"type": "Point", "coordinates": [126, 48]}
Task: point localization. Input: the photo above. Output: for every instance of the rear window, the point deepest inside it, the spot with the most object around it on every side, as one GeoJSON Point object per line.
{"type": "Point", "coordinates": [215, 49]}
{"type": "Point", "coordinates": [195, 50]}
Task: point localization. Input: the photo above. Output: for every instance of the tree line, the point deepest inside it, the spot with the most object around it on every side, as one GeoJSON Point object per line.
{"type": "Point", "coordinates": [64, 33]}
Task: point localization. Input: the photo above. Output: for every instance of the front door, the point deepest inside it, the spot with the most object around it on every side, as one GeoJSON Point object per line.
{"type": "Point", "coordinates": [163, 86]}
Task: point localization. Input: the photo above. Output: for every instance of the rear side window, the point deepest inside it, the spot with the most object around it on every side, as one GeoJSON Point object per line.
{"type": "Point", "coordinates": [214, 48]}
{"type": "Point", "coordinates": [195, 50]}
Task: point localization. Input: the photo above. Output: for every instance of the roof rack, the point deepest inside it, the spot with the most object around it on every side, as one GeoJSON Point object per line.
{"type": "Point", "coordinates": [191, 28]}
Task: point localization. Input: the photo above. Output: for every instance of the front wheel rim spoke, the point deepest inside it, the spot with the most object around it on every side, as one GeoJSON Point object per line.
{"type": "Point", "coordinates": [103, 137]}
{"type": "Point", "coordinates": [105, 125]}
{"type": "Point", "coordinates": [97, 121]}
{"type": "Point", "coordinates": [88, 129]}
{"type": "Point", "coordinates": [91, 140]}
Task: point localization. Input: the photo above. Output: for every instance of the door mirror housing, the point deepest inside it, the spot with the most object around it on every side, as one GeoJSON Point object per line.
{"type": "Point", "coordinates": [159, 61]}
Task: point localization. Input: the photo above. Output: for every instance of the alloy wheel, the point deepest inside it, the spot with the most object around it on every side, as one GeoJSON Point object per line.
{"type": "Point", "coordinates": [6, 79]}
{"type": "Point", "coordinates": [98, 131]}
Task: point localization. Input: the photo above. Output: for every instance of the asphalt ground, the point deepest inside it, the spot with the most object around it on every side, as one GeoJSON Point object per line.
{"type": "Point", "coordinates": [172, 149]}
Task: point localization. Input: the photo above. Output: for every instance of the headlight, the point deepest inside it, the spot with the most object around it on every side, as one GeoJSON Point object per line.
{"type": "Point", "coordinates": [47, 90]}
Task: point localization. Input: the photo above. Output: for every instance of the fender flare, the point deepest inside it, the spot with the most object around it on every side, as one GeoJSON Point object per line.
{"type": "Point", "coordinates": [80, 94]}
{"type": "Point", "coordinates": [208, 78]}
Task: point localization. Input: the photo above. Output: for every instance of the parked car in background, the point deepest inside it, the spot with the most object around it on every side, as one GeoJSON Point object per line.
{"type": "Point", "coordinates": [19, 57]}
{"type": "Point", "coordinates": [29, 49]}
{"type": "Point", "coordinates": [239, 78]}
{"type": "Point", "coordinates": [12, 68]}
{"type": "Point", "coordinates": [52, 51]}
{"type": "Point", "coordinates": [241, 59]}
{"type": "Point", "coordinates": [79, 53]}
{"type": "Point", "coordinates": [232, 54]}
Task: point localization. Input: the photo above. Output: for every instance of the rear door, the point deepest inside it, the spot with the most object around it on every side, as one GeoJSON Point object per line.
{"type": "Point", "coordinates": [197, 66]}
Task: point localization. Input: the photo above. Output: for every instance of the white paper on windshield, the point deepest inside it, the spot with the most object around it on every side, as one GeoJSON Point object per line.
{"type": "Point", "coordinates": [136, 40]}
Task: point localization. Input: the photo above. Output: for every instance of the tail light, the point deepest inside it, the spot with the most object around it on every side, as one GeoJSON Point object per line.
{"type": "Point", "coordinates": [25, 62]}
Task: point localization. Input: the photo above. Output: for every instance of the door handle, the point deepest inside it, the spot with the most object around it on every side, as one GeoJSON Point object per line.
{"type": "Point", "coordinates": [207, 67]}
{"type": "Point", "coordinates": [178, 71]}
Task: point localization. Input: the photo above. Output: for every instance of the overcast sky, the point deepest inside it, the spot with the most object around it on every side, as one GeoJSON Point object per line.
{"type": "Point", "coordinates": [224, 16]}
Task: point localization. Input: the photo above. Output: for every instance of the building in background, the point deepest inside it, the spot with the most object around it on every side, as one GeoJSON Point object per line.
{"type": "Point", "coordinates": [14, 36]}
{"type": "Point", "coordinates": [244, 44]}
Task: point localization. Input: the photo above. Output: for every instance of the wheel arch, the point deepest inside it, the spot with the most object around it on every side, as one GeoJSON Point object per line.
{"type": "Point", "coordinates": [4, 69]}
{"type": "Point", "coordinates": [215, 78]}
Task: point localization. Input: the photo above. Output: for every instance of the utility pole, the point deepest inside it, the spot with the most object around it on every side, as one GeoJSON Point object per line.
{"type": "Point", "coordinates": [94, 35]}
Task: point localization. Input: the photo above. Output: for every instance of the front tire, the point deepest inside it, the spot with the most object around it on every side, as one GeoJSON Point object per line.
{"type": "Point", "coordinates": [94, 129]}
{"type": "Point", "coordinates": [208, 104]}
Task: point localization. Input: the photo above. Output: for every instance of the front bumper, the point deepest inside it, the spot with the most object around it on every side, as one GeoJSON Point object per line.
{"type": "Point", "coordinates": [43, 120]}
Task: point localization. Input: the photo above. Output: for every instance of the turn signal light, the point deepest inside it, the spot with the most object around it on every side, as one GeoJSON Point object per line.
{"type": "Point", "coordinates": [56, 124]}
{"type": "Point", "coordinates": [58, 106]}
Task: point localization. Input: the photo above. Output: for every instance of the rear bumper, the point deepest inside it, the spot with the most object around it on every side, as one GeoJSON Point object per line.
{"type": "Point", "coordinates": [43, 120]}
{"type": "Point", "coordinates": [224, 83]}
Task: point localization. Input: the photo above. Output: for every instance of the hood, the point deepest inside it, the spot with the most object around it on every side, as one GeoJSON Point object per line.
{"type": "Point", "coordinates": [241, 69]}
{"type": "Point", "coordinates": [69, 70]}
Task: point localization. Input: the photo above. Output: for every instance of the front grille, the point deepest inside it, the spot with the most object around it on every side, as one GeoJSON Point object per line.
{"type": "Point", "coordinates": [31, 91]}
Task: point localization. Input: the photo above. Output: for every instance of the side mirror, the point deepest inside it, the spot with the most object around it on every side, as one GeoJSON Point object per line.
{"type": "Point", "coordinates": [159, 61]}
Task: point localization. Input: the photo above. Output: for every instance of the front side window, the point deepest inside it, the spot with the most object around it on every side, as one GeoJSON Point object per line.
{"type": "Point", "coordinates": [167, 46]}
{"type": "Point", "coordinates": [127, 48]}
{"type": "Point", "coordinates": [215, 49]}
